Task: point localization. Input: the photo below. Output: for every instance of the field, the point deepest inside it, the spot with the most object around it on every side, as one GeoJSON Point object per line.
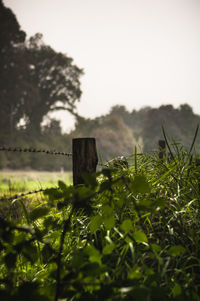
{"type": "Point", "coordinates": [12, 181]}
{"type": "Point", "coordinates": [130, 233]}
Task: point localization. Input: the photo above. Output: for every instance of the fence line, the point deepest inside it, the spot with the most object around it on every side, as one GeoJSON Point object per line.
{"type": "Point", "coordinates": [17, 196]}
{"type": "Point", "coordinates": [33, 150]}
{"type": "Point", "coordinates": [84, 160]}
{"type": "Point", "coordinates": [84, 157]}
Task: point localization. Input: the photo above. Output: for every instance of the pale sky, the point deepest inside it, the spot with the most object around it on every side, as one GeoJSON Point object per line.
{"type": "Point", "coordinates": [134, 52]}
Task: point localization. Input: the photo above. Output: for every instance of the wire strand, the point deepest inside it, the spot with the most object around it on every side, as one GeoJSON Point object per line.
{"type": "Point", "coordinates": [33, 150]}
{"type": "Point", "coordinates": [17, 196]}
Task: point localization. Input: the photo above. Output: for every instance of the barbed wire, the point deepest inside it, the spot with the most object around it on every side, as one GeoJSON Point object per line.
{"type": "Point", "coordinates": [119, 159]}
{"type": "Point", "coordinates": [17, 196]}
{"type": "Point", "coordinates": [33, 150]}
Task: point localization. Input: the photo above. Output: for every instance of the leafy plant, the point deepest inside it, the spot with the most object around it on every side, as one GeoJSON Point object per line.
{"type": "Point", "coordinates": [129, 233]}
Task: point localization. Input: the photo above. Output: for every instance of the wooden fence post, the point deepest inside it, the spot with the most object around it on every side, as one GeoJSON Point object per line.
{"type": "Point", "coordinates": [162, 149]}
{"type": "Point", "coordinates": [84, 156]}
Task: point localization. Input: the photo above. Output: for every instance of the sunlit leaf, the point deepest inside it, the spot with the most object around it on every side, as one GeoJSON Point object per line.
{"type": "Point", "coordinates": [94, 254]}
{"type": "Point", "coordinates": [126, 226]}
{"type": "Point", "coordinates": [140, 236]}
{"type": "Point", "coordinates": [108, 249]}
{"type": "Point", "coordinates": [176, 290]}
{"type": "Point", "coordinates": [53, 194]}
{"type": "Point", "coordinates": [109, 222]}
{"type": "Point", "coordinates": [135, 274]}
{"type": "Point", "coordinates": [140, 184]}
{"type": "Point", "coordinates": [95, 223]}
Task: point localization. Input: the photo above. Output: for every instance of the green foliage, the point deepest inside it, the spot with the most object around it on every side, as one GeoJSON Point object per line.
{"type": "Point", "coordinates": [129, 233]}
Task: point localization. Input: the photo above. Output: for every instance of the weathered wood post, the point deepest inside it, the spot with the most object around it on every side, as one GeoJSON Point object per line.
{"type": "Point", "coordinates": [84, 158]}
{"type": "Point", "coordinates": [162, 149]}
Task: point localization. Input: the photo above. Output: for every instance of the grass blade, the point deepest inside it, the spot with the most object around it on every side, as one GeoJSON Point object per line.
{"type": "Point", "coordinates": [165, 137]}
{"type": "Point", "coordinates": [194, 139]}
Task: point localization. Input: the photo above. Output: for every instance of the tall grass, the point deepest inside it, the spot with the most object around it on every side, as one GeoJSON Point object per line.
{"type": "Point", "coordinates": [129, 233]}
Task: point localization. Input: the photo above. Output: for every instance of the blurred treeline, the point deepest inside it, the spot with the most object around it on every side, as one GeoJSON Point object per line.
{"type": "Point", "coordinates": [35, 80]}
{"type": "Point", "coordinates": [116, 133]}
{"type": "Point", "coordinates": [120, 131]}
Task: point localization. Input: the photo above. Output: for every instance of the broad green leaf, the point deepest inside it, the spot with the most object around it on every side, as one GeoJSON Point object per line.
{"type": "Point", "coordinates": [119, 201]}
{"type": "Point", "coordinates": [90, 180]}
{"type": "Point", "coordinates": [108, 249]}
{"type": "Point", "coordinates": [78, 259]}
{"type": "Point", "coordinates": [126, 226]}
{"type": "Point", "coordinates": [109, 222]}
{"type": "Point", "coordinates": [176, 250]}
{"type": "Point", "coordinates": [108, 217]}
{"type": "Point", "coordinates": [54, 194]}
{"type": "Point", "coordinates": [107, 211]}
{"type": "Point", "coordinates": [94, 254]}
{"type": "Point", "coordinates": [95, 223]}
{"type": "Point", "coordinates": [140, 237]}
{"type": "Point", "coordinates": [155, 248]}
{"type": "Point", "coordinates": [149, 271]}
{"type": "Point", "coordinates": [38, 213]}
{"type": "Point", "coordinates": [176, 291]}
{"type": "Point", "coordinates": [140, 184]}
{"type": "Point", "coordinates": [135, 274]}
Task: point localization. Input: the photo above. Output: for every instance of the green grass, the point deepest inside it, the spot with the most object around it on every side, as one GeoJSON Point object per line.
{"type": "Point", "coordinates": [22, 181]}
{"type": "Point", "coordinates": [130, 233]}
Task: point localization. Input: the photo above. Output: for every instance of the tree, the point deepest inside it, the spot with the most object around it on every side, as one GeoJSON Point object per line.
{"type": "Point", "coordinates": [113, 136]}
{"type": "Point", "coordinates": [10, 33]}
{"type": "Point", "coordinates": [53, 79]}
{"type": "Point", "coordinates": [179, 124]}
{"type": "Point", "coordinates": [34, 79]}
{"type": "Point", "coordinates": [10, 65]}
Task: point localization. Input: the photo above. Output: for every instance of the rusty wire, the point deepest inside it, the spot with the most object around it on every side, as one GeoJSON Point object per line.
{"type": "Point", "coordinates": [33, 150]}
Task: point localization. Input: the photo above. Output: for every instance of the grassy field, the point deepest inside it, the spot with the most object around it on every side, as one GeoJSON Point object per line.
{"type": "Point", "coordinates": [131, 233]}
{"type": "Point", "coordinates": [16, 181]}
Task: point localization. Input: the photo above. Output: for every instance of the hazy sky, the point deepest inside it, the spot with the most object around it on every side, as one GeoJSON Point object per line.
{"type": "Point", "coordinates": [133, 52]}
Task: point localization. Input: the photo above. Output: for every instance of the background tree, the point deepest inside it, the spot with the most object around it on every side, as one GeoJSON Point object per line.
{"type": "Point", "coordinates": [34, 79]}
{"type": "Point", "coordinates": [10, 66]}
{"type": "Point", "coordinates": [10, 33]}
{"type": "Point", "coordinates": [114, 137]}
{"type": "Point", "coordinates": [54, 81]}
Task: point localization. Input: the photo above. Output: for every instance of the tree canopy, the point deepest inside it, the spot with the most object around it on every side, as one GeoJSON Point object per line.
{"type": "Point", "coordinates": [35, 79]}
{"type": "Point", "coordinates": [10, 33]}
{"type": "Point", "coordinates": [53, 80]}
